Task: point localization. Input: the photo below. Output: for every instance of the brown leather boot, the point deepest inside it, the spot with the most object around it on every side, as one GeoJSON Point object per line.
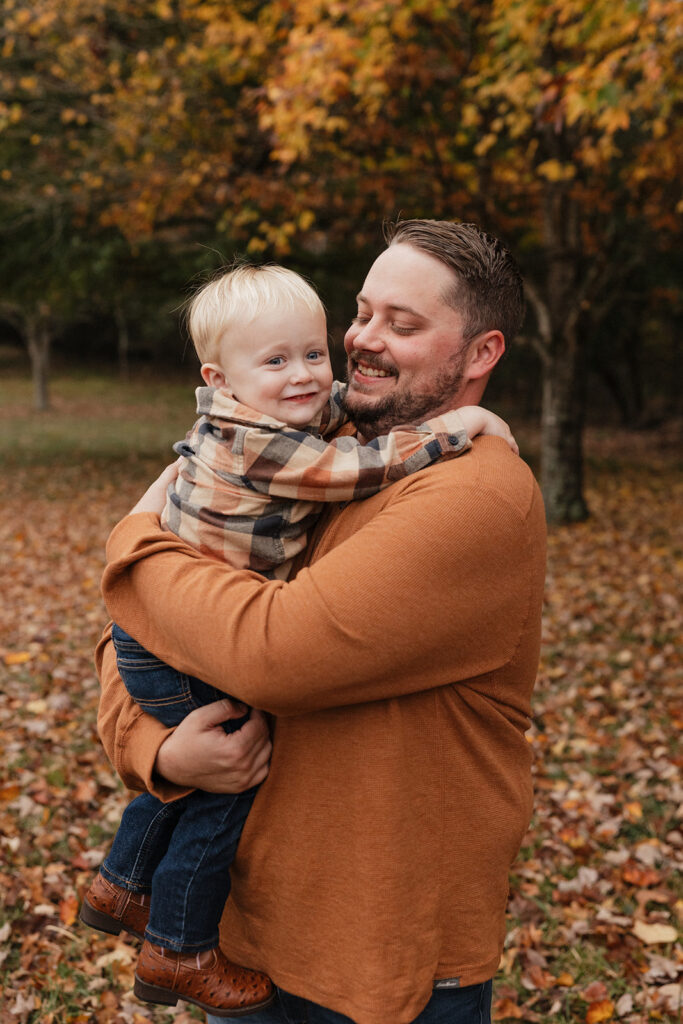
{"type": "Point", "coordinates": [111, 908]}
{"type": "Point", "coordinates": [208, 979]}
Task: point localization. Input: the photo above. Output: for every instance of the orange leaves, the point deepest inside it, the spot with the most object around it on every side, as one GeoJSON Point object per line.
{"type": "Point", "coordinates": [506, 1009]}
{"type": "Point", "coordinates": [639, 875]}
{"type": "Point", "coordinates": [68, 909]}
{"type": "Point", "coordinates": [17, 658]}
{"type": "Point", "coordinates": [349, 110]}
{"type": "Point", "coordinates": [594, 891]}
{"type": "Point", "coordinates": [600, 1011]}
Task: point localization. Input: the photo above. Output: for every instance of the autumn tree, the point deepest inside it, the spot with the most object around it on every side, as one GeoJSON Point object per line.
{"type": "Point", "coordinates": [47, 151]}
{"type": "Point", "coordinates": [555, 124]}
{"type": "Point", "coordinates": [291, 128]}
{"type": "Point", "coordinates": [581, 106]}
{"type": "Point", "coordinates": [126, 133]}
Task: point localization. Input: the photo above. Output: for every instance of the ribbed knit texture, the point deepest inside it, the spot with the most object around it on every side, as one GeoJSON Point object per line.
{"type": "Point", "coordinates": [399, 664]}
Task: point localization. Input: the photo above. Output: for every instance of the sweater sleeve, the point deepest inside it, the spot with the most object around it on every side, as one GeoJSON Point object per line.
{"type": "Point", "coordinates": [119, 718]}
{"type": "Point", "coordinates": [435, 588]}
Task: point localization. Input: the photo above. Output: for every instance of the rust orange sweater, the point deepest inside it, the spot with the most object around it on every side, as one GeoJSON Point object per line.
{"type": "Point", "coordinates": [399, 664]}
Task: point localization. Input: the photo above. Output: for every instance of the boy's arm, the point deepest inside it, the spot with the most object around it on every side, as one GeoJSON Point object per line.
{"type": "Point", "coordinates": [343, 469]}
{"type": "Point", "coordinates": [304, 467]}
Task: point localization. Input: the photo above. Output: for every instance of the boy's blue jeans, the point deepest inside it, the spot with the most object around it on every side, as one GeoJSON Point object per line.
{"type": "Point", "coordinates": [179, 851]}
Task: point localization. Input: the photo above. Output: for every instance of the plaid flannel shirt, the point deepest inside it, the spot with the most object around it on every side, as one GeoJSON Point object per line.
{"type": "Point", "coordinates": [250, 487]}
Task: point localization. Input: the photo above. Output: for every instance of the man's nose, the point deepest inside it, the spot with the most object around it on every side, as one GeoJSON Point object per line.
{"type": "Point", "coordinates": [369, 337]}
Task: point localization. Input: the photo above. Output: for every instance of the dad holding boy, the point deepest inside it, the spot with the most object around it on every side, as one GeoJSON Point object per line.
{"type": "Point", "coordinates": [371, 878]}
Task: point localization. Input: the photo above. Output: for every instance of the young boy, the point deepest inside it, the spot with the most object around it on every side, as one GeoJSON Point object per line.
{"type": "Point", "coordinates": [256, 470]}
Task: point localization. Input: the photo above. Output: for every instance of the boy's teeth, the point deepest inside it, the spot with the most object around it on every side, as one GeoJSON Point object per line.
{"type": "Point", "coordinates": [370, 371]}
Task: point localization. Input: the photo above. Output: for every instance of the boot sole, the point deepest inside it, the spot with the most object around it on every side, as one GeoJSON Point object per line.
{"type": "Point", "coordinates": [167, 997]}
{"type": "Point", "coordinates": [104, 922]}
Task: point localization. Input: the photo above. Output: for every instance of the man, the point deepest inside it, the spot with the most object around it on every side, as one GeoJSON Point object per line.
{"type": "Point", "coordinates": [371, 878]}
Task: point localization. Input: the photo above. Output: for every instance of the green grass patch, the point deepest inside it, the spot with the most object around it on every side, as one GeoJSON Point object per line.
{"type": "Point", "coordinates": [94, 417]}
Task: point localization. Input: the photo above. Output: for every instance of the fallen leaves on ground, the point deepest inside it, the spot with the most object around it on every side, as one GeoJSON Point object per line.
{"type": "Point", "coordinates": [596, 904]}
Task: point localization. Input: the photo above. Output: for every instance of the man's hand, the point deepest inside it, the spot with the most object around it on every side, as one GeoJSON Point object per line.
{"type": "Point", "coordinates": [154, 498]}
{"type": "Point", "coordinates": [201, 755]}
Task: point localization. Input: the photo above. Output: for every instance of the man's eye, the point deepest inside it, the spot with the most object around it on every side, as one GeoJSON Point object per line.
{"type": "Point", "coordinates": [360, 318]}
{"type": "Point", "coordinates": [402, 329]}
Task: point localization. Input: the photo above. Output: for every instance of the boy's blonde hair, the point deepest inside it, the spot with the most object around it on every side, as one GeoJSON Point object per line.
{"type": "Point", "coordinates": [237, 296]}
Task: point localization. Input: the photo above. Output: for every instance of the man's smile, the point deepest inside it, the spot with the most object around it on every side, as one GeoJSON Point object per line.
{"type": "Point", "coordinates": [366, 370]}
{"type": "Point", "coordinates": [371, 371]}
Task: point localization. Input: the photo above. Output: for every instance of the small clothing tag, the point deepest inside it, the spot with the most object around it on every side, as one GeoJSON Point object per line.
{"type": "Point", "coordinates": [447, 983]}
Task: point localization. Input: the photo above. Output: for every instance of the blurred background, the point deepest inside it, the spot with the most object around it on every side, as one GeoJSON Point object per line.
{"type": "Point", "coordinates": [142, 145]}
{"type": "Point", "coordinates": [145, 144]}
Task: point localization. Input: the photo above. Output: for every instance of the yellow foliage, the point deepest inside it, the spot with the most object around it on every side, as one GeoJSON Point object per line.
{"type": "Point", "coordinates": [292, 104]}
{"type": "Point", "coordinates": [485, 144]}
{"type": "Point", "coordinates": [306, 219]}
{"type": "Point", "coordinates": [614, 119]}
{"type": "Point", "coordinates": [553, 170]}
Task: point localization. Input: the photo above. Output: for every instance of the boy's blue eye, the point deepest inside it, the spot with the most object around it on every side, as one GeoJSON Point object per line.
{"type": "Point", "coordinates": [275, 361]}
{"type": "Point", "coordinates": [316, 355]}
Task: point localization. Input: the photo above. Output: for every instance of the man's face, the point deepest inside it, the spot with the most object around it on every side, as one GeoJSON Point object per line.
{"type": "Point", "coordinates": [405, 347]}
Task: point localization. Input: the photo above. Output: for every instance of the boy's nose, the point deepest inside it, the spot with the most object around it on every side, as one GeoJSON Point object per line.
{"type": "Point", "coordinates": [299, 373]}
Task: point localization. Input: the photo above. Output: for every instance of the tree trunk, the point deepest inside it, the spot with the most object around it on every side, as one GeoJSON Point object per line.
{"type": "Point", "coordinates": [38, 338]}
{"type": "Point", "coordinates": [558, 308]}
{"type": "Point", "coordinates": [123, 336]}
{"type": "Point", "coordinates": [561, 434]}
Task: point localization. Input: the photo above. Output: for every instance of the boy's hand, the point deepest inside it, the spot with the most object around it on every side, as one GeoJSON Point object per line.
{"type": "Point", "coordinates": [154, 498]}
{"type": "Point", "coordinates": [481, 421]}
{"type": "Point", "coordinates": [199, 754]}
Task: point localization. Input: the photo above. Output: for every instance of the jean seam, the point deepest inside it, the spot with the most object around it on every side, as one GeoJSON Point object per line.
{"type": "Point", "coordinates": [219, 827]}
{"type": "Point", "coordinates": [145, 842]}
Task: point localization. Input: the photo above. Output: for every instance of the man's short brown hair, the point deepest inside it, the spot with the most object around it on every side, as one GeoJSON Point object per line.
{"type": "Point", "coordinates": [487, 291]}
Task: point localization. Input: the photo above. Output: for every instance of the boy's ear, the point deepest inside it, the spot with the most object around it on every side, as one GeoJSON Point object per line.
{"type": "Point", "coordinates": [213, 376]}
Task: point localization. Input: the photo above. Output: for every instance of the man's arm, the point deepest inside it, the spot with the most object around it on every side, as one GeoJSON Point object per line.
{"type": "Point", "coordinates": [437, 585]}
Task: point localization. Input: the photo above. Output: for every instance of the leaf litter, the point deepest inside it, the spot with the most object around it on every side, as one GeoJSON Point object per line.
{"type": "Point", "coordinates": [596, 901]}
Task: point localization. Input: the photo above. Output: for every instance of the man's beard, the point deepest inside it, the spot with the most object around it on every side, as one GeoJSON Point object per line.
{"type": "Point", "coordinates": [414, 406]}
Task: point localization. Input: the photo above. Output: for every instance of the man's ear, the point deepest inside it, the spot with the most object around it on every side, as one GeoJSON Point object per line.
{"type": "Point", "coordinates": [213, 376]}
{"type": "Point", "coordinates": [484, 352]}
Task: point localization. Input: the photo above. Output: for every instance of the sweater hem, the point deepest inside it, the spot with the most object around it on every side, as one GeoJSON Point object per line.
{"type": "Point", "coordinates": [377, 1011]}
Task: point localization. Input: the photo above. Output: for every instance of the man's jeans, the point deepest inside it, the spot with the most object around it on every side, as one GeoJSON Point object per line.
{"type": "Point", "coordinates": [470, 1005]}
{"type": "Point", "coordinates": [180, 851]}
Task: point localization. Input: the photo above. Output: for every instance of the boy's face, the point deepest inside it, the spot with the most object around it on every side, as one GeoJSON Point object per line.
{"type": "Point", "coordinates": [277, 364]}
